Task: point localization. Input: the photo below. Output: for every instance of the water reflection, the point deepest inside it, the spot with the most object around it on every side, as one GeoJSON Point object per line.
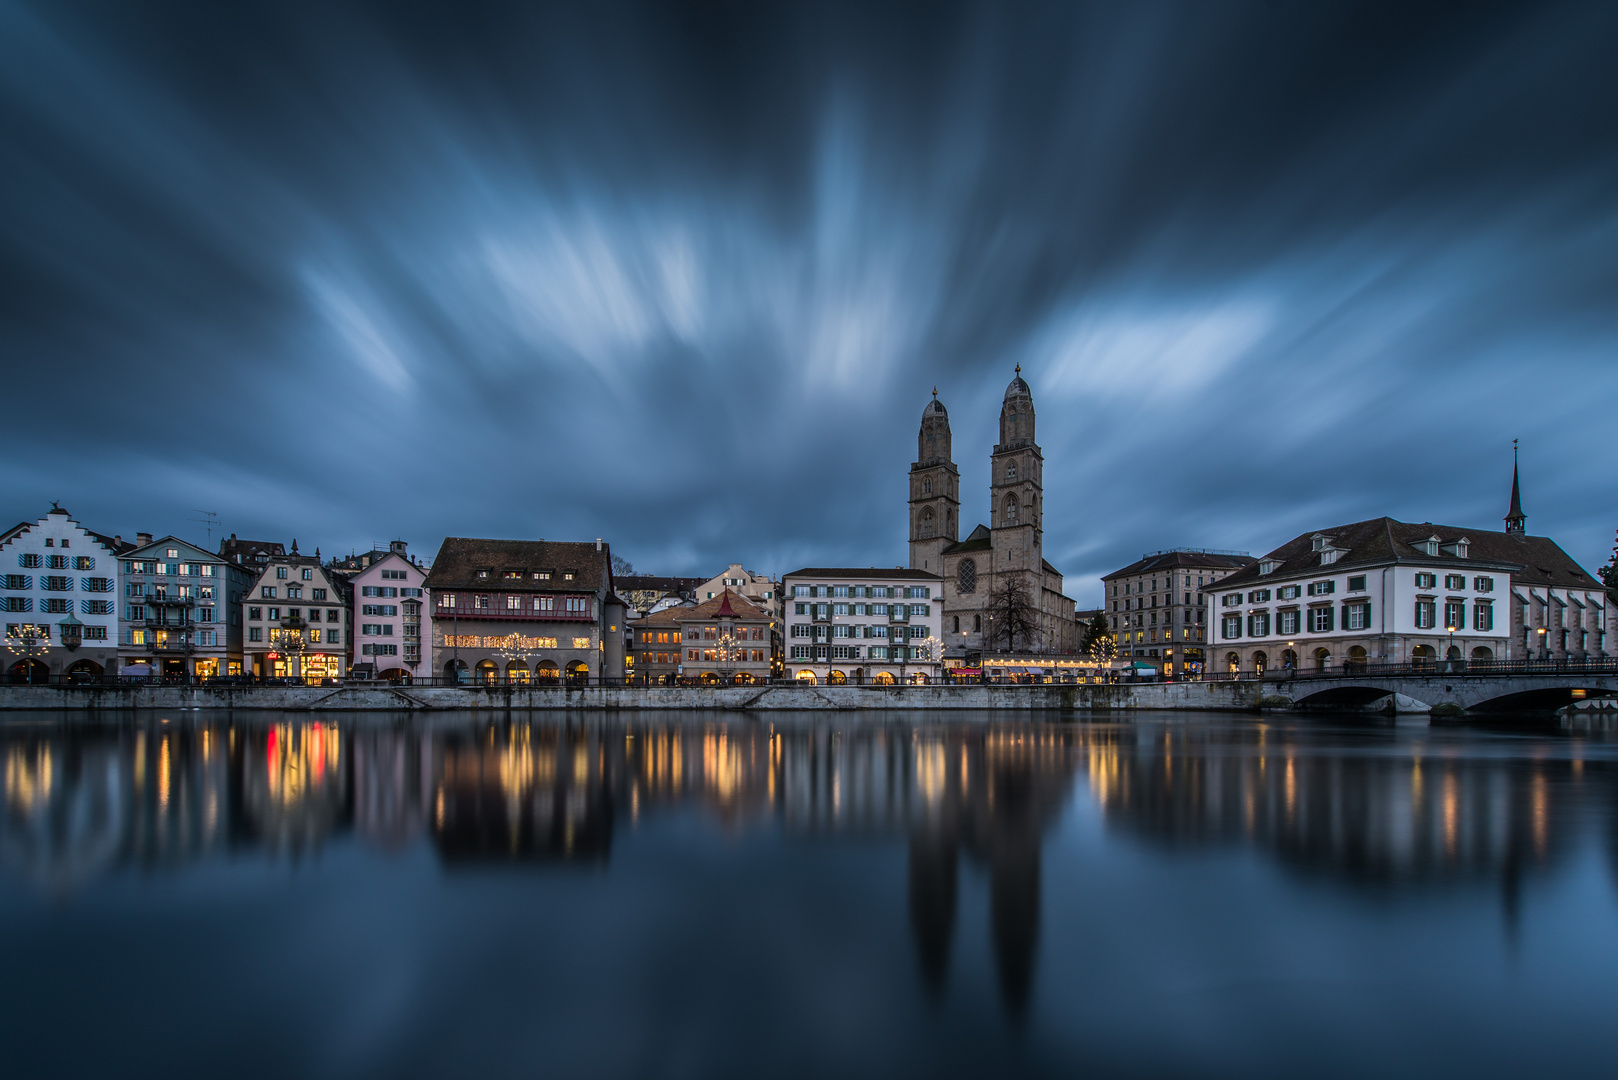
{"type": "Point", "coordinates": [1372, 806]}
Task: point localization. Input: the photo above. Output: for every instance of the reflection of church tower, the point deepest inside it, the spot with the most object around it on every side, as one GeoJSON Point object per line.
{"type": "Point", "coordinates": [1014, 880]}
{"type": "Point", "coordinates": [934, 491]}
{"type": "Point", "coordinates": [1015, 479]}
{"type": "Point", "coordinates": [933, 876]}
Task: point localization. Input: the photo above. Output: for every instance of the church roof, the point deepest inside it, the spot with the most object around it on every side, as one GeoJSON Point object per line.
{"type": "Point", "coordinates": [979, 539]}
{"type": "Point", "coordinates": [1017, 386]}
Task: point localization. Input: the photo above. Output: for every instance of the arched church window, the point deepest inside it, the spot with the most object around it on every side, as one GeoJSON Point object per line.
{"type": "Point", "coordinates": [977, 624]}
{"type": "Point", "coordinates": [1011, 470]}
{"type": "Point", "coordinates": [966, 577]}
{"type": "Point", "coordinates": [958, 624]}
{"type": "Point", "coordinates": [926, 486]}
{"type": "Point", "coordinates": [1010, 515]}
{"type": "Point", "coordinates": [926, 523]}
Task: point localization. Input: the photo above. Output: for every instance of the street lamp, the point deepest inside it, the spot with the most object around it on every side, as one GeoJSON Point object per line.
{"type": "Point", "coordinates": [1544, 644]}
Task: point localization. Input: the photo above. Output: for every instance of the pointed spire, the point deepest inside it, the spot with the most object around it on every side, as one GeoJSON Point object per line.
{"type": "Point", "coordinates": [1516, 520]}
{"type": "Point", "coordinates": [725, 610]}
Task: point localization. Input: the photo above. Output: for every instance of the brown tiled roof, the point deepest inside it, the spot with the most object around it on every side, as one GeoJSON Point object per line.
{"type": "Point", "coordinates": [741, 608]}
{"type": "Point", "coordinates": [460, 558]}
{"type": "Point", "coordinates": [243, 550]}
{"type": "Point", "coordinates": [666, 617]}
{"type": "Point", "coordinates": [1534, 560]}
{"type": "Point", "coordinates": [645, 583]}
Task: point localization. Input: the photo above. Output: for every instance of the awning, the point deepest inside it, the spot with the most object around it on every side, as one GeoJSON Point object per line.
{"type": "Point", "coordinates": [1035, 671]}
{"type": "Point", "coordinates": [965, 671]}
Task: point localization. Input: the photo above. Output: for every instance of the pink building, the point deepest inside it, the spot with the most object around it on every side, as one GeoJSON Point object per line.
{"type": "Point", "coordinates": [391, 614]}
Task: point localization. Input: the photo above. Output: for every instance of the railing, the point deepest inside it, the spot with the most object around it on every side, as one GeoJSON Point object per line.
{"type": "Point", "coordinates": [1573, 665]}
{"type": "Point", "coordinates": [167, 601]}
{"type": "Point", "coordinates": [560, 684]}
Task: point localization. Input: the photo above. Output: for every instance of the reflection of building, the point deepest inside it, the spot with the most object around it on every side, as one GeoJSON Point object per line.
{"type": "Point", "coordinates": [295, 785]}
{"type": "Point", "coordinates": [60, 598]}
{"type": "Point", "coordinates": [297, 619]}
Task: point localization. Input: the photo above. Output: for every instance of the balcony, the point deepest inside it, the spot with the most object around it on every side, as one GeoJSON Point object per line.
{"type": "Point", "coordinates": [168, 601]}
{"type": "Point", "coordinates": [171, 645]}
{"type": "Point", "coordinates": [169, 624]}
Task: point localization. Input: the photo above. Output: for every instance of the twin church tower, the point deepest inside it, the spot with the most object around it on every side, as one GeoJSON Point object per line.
{"type": "Point", "coordinates": [1011, 544]}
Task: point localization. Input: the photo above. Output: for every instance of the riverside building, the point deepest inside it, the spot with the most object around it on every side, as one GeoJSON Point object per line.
{"type": "Point", "coordinates": [296, 614]}
{"type": "Point", "coordinates": [1156, 606]}
{"type": "Point", "coordinates": [844, 624]}
{"type": "Point", "coordinates": [727, 639]}
{"type": "Point", "coordinates": [519, 611]}
{"type": "Point", "coordinates": [181, 616]}
{"type": "Point", "coordinates": [60, 593]}
{"type": "Point", "coordinates": [392, 613]}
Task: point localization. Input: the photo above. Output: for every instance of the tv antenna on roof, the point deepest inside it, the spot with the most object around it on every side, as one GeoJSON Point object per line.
{"type": "Point", "coordinates": [210, 521]}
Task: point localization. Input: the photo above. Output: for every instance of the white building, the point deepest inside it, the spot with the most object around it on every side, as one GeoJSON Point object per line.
{"type": "Point", "coordinates": [60, 598]}
{"type": "Point", "coordinates": [845, 624]}
{"type": "Point", "coordinates": [760, 590]}
{"type": "Point", "coordinates": [1386, 591]}
{"type": "Point", "coordinates": [391, 614]}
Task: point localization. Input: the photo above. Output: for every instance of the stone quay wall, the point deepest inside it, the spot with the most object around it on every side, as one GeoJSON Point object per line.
{"type": "Point", "coordinates": [1224, 696]}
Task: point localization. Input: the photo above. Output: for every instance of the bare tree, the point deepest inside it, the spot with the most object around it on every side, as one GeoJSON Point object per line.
{"type": "Point", "coordinates": [622, 567]}
{"type": "Point", "coordinates": [1013, 619]}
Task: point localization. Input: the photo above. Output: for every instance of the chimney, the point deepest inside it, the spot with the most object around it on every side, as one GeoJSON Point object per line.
{"type": "Point", "coordinates": [598, 543]}
{"type": "Point", "coordinates": [143, 538]}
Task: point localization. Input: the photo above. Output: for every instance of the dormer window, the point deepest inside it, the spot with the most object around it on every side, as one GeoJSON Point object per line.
{"type": "Point", "coordinates": [1457, 548]}
{"type": "Point", "coordinates": [1429, 546]}
{"type": "Point", "coordinates": [567, 575]}
{"type": "Point", "coordinates": [1267, 566]}
{"type": "Point", "coordinates": [512, 575]}
{"type": "Point", "coordinates": [483, 574]}
{"type": "Point", "coordinates": [1321, 542]}
{"type": "Point", "coordinates": [1330, 555]}
{"type": "Point", "coordinates": [542, 575]}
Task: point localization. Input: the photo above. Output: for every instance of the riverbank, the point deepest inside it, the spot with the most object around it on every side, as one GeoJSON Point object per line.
{"type": "Point", "coordinates": [1212, 696]}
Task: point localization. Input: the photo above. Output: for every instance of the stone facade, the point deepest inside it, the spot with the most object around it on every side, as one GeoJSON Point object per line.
{"type": "Point", "coordinates": [1010, 546]}
{"type": "Point", "coordinates": [1156, 606]}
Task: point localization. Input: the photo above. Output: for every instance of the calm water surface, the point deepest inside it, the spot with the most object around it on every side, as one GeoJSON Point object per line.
{"type": "Point", "coordinates": [267, 895]}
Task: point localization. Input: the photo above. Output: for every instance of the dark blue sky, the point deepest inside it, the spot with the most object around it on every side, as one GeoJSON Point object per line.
{"type": "Point", "coordinates": [683, 276]}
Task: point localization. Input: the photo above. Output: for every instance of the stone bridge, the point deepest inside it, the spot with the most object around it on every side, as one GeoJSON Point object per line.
{"type": "Point", "coordinates": [1441, 692]}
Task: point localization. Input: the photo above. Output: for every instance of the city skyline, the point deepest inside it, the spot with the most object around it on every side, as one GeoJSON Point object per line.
{"type": "Point", "coordinates": [684, 278]}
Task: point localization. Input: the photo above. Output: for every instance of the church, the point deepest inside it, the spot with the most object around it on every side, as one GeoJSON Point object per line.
{"type": "Point", "coordinates": [1006, 553]}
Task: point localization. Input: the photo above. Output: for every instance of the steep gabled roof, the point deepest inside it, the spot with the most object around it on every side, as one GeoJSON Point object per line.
{"type": "Point", "coordinates": [979, 539]}
{"type": "Point", "coordinates": [1177, 560]}
{"type": "Point", "coordinates": [1533, 560]}
{"type": "Point", "coordinates": [460, 558]}
{"type": "Point", "coordinates": [740, 609]}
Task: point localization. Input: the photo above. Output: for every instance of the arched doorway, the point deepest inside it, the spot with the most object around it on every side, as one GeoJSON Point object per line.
{"type": "Point", "coordinates": [517, 673]}
{"type": "Point", "coordinates": [836, 678]}
{"type": "Point", "coordinates": [883, 678]}
{"type": "Point", "coordinates": [455, 671]}
{"type": "Point", "coordinates": [709, 678]}
{"type": "Point", "coordinates": [859, 675]}
{"type": "Point", "coordinates": [486, 673]}
{"type": "Point", "coordinates": [393, 674]}
{"type": "Point", "coordinates": [1289, 660]}
{"type": "Point", "coordinates": [1322, 659]}
{"type": "Point", "coordinates": [83, 671]}
{"type": "Point", "coordinates": [744, 678]}
{"type": "Point", "coordinates": [918, 677]}
{"type": "Point", "coordinates": [1423, 655]}
{"type": "Point", "coordinates": [1357, 659]}
{"type": "Point", "coordinates": [1261, 660]}
{"type": "Point", "coordinates": [546, 671]}
{"type": "Point", "coordinates": [31, 672]}
{"type": "Point", "coordinates": [578, 672]}
{"type": "Point", "coordinates": [806, 677]}
{"type": "Point", "coordinates": [1482, 654]}
{"type": "Point", "coordinates": [1233, 662]}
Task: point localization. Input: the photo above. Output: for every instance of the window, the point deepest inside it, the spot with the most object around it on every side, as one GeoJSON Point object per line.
{"type": "Point", "coordinates": [267, 592]}
{"type": "Point", "coordinates": [308, 574]}
{"type": "Point", "coordinates": [294, 592]}
{"type": "Point", "coordinates": [1426, 581]}
{"type": "Point", "coordinates": [839, 590]}
{"type": "Point", "coordinates": [801, 630]}
{"type": "Point", "coordinates": [19, 581]}
{"type": "Point", "coordinates": [317, 594]}
{"type": "Point", "coordinates": [28, 560]}
{"type": "Point", "coordinates": [203, 614]}
{"type": "Point", "coordinates": [280, 572]}
{"type": "Point", "coordinates": [919, 610]}
{"type": "Point", "coordinates": [1290, 592]}
{"type": "Point", "coordinates": [801, 590]}
{"type": "Point", "coordinates": [1322, 588]}
{"type": "Point", "coordinates": [370, 629]}
{"type": "Point", "coordinates": [333, 636]}
{"type": "Point", "coordinates": [1258, 624]}
{"type": "Point", "coordinates": [1356, 583]}
{"type": "Point", "coordinates": [1426, 611]}
{"type": "Point", "coordinates": [1357, 616]}
{"type": "Point", "coordinates": [920, 592]}
{"type": "Point", "coordinates": [1232, 600]}
{"type": "Point", "coordinates": [18, 603]}
{"type": "Point", "coordinates": [577, 605]}
{"type": "Point", "coordinates": [581, 643]}
{"type": "Point", "coordinates": [513, 603]}
{"type": "Point", "coordinates": [56, 562]}
{"type": "Point", "coordinates": [1287, 622]}
{"type": "Point", "coordinates": [255, 613]}
{"type": "Point", "coordinates": [1320, 620]}
{"type": "Point", "coordinates": [1259, 596]}
{"type": "Point", "coordinates": [84, 562]}
{"type": "Point", "coordinates": [388, 590]}
{"type": "Point", "coordinates": [95, 633]}
{"type": "Point", "coordinates": [137, 614]}
{"type": "Point", "coordinates": [446, 600]}
{"type": "Point", "coordinates": [96, 584]}
{"type": "Point", "coordinates": [1232, 626]}
{"type": "Point", "coordinates": [567, 575]}
{"type": "Point", "coordinates": [1483, 615]}
{"type": "Point", "coordinates": [314, 637]}
{"type": "Point", "coordinates": [1483, 584]}
{"type": "Point", "coordinates": [1455, 614]}
{"type": "Point", "coordinates": [173, 553]}
{"type": "Point", "coordinates": [1454, 581]}
{"type": "Point", "coordinates": [275, 614]}
{"type": "Point", "coordinates": [800, 652]}
{"type": "Point", "coordinates": [966, 576]}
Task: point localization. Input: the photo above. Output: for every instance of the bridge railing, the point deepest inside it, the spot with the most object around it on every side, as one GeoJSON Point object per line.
{"type": "Point", "coordinates": [1573, 665]}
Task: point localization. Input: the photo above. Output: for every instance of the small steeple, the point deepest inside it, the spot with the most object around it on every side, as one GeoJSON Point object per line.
{"type": "Point", "coordinates": [1516, 520]}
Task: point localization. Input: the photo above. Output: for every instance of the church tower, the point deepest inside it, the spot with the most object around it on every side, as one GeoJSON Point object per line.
{"type": "Point", "coordinates": [1016, 494]}
{"type": "Point", "coordinates": [934, 491]}
{"type": "Point", "coordinates": [1516, 520]}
